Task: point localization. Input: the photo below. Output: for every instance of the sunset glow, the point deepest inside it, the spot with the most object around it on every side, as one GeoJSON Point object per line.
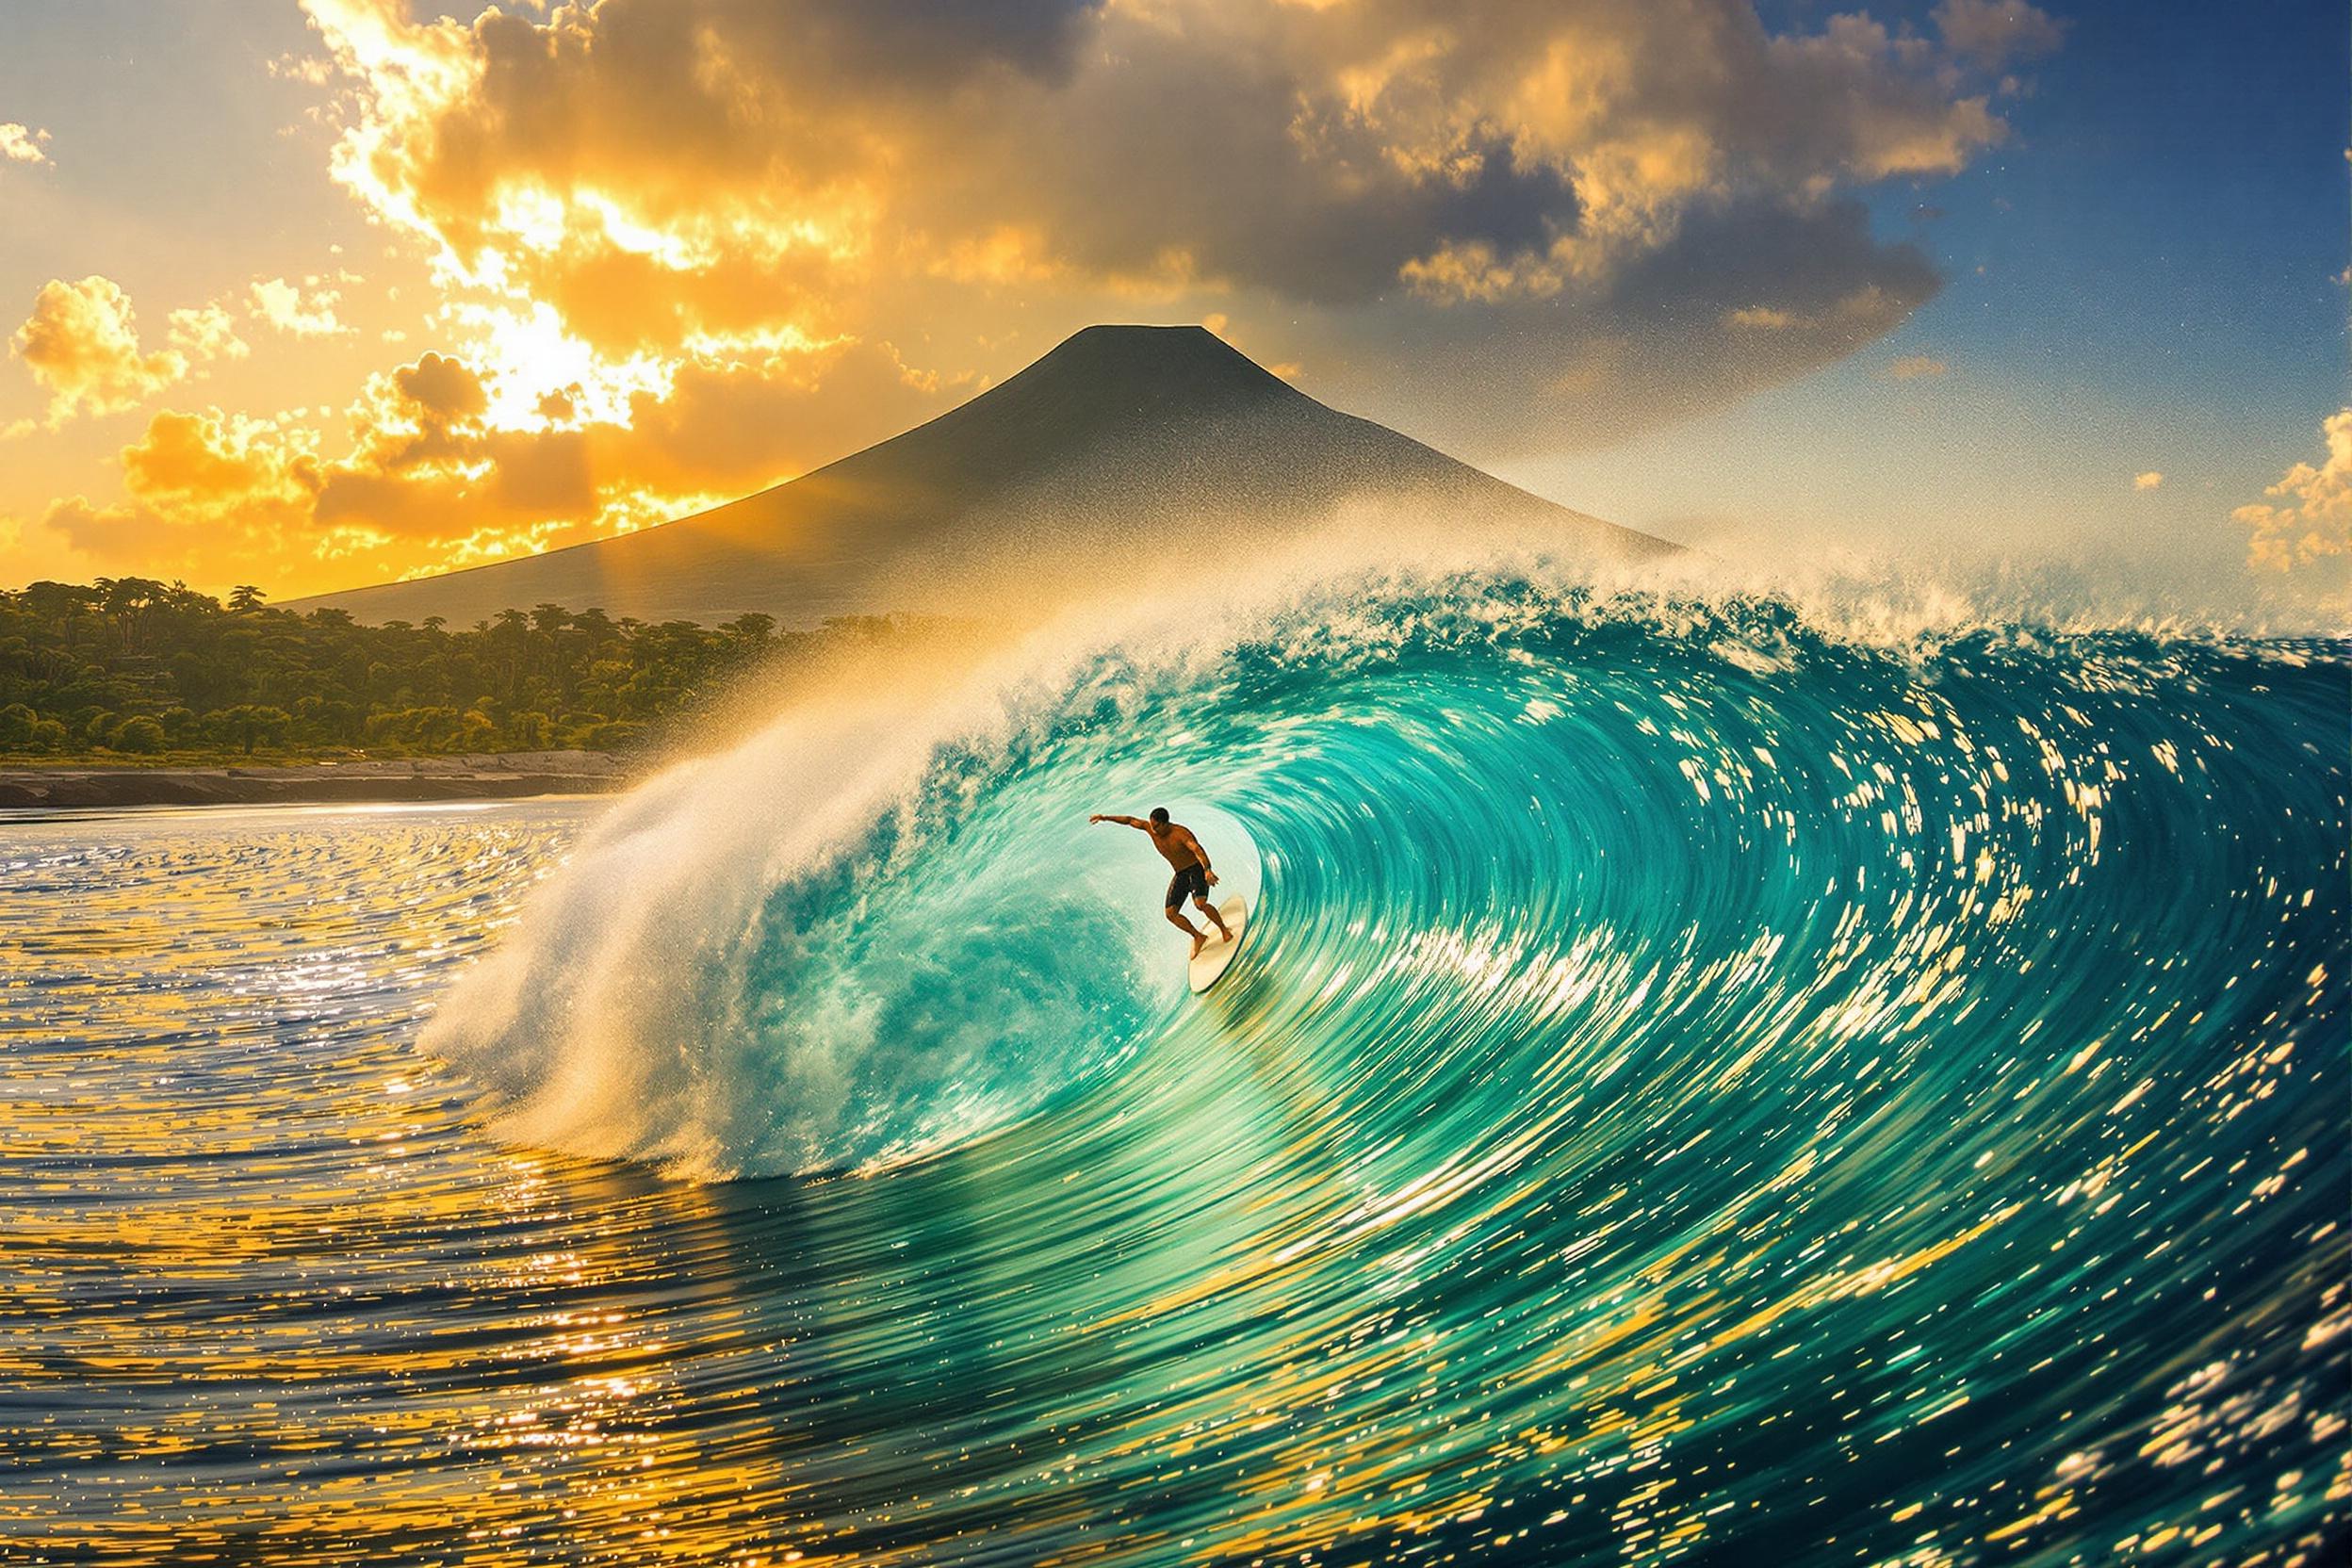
{"type": "Point", "coordinates": [594, 265]}
{"type": "Point", "coordinates": [1167, 783]}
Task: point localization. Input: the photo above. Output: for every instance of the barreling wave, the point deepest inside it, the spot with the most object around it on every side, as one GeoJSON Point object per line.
{"type": "Point", "coordinates": [1545, 868]}
{"type": "Point", "coordinates": [1710, 1081]}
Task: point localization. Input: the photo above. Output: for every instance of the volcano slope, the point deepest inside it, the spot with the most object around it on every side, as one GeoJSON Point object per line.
{"type": "Point", "coordinates": [1120, 435]}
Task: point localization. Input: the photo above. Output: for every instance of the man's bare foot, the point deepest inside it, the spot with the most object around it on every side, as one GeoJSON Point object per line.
{"type": "Point", "coordinates": [1200, 940]}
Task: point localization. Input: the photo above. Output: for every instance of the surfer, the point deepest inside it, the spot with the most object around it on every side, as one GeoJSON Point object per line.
{"type": "Point", "coordinates": [1182, 850]}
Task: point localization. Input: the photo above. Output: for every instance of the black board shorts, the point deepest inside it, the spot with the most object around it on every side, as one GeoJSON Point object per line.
{"type": "Point", "coordinates": [1193, 879]}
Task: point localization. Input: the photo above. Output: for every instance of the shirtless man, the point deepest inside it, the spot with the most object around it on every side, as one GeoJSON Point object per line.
{"type": "Point", "coordinates": [1183, 851]}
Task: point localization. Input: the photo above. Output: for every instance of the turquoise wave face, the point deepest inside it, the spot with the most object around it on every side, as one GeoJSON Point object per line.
{"type": "Point", "coordinates": [1696, 1088]}
{"type": "Point", "coordinates": [1508, 838]}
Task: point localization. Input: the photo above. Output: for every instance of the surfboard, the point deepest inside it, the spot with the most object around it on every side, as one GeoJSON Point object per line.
{"type": "Point", "coordinates": [1211, 961]}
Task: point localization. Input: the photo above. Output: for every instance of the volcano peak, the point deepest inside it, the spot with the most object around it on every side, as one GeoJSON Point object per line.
{"type": "Point", "coordinates": [1116, 433]}
{"type": "Point", "coordinates": [1188, 362]}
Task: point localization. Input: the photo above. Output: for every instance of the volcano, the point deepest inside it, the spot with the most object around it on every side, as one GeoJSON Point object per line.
{"type": "Point", "coordinates": [1120, 435]}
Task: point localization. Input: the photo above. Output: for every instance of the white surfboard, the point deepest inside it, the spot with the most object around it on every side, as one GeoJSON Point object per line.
{"type": "Point", "coordinates": [1211, 961]}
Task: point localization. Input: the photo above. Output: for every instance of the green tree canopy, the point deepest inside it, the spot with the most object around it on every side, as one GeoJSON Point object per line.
{"type": "Point", "coordinates": [139, 668]}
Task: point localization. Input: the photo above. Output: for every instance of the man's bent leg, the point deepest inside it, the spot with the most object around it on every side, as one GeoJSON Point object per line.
{"type": "Point", "coordinates": [1215, 919]}
{"type": "Point", "coordinates": [1200, 937]}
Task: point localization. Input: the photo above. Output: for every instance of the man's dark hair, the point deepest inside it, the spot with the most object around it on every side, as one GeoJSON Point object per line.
{"type": "Point", "coordinates": [1159, 815]}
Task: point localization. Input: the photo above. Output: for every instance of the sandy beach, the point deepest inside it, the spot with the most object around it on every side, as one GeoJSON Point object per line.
{"type": "Point", "coordinates": [497, 776]}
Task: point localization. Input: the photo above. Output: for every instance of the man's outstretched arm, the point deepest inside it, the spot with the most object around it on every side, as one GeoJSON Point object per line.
{"type": "Point", "coordinates": [1123, 821]}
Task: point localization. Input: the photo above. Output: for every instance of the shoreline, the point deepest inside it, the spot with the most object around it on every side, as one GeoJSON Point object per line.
{"type": "Point", "coordinates": [486, 775]}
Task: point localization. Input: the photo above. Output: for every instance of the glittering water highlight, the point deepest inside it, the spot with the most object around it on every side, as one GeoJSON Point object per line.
{"type": "Point", "coordinates": [1700, 1089]}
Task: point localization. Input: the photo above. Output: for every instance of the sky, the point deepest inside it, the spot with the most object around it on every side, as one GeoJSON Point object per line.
{"type": "Point", "coordinates": [315, 293]}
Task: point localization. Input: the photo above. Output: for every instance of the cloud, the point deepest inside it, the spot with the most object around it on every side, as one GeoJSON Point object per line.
{"type": "Point", "coordinates": [1997, 31]}
{"type": "Point", "coordinates": [1535, 194]}
{"type": "Point", "coordinates": [2312, 525]}
{"type": "Point", "coordinates": [204, 466]}
{"type": "Point", "coordinates": [2148, 480]}
{"type": "Point", "coordinates": [293, 309]}
{"type": "Point", "coordinates": [442, 389]}
{"type": "Point", "coordinates": [310, 70]}
{"type": "Point", "coordinates": [206, 331]}
{"type": "Point", "coordinates": [215, 495]}
{"type": "Point", "coordinates": [81, 344]}
{"type": "Point", "coordinates": [682, 249]}
{"type": "Point", "coordinates": [22, 144]}
{"type": "Point", "coordinates": [1914, 367]}
{"type": "Point", "coordinates": [435, 480]}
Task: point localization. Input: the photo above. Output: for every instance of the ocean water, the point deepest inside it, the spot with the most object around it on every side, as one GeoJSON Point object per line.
{"type": "Point", "coordinates": [1700, 1088]}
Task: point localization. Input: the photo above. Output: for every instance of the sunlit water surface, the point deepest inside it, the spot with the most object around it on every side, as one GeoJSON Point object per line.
{"type": "Point", "coordinates": [1681, 1103]}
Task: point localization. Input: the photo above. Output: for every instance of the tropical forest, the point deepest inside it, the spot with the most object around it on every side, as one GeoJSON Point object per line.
{"type": "Point", "coordinates": [128, 670]}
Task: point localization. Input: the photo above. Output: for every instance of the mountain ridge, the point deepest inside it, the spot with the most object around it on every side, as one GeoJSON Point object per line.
{"type": "Point", "coordinates": [1117, 428]}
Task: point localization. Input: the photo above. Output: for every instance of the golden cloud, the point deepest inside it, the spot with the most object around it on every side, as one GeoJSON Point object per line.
{"type": "Point", "coordinates": [2313, 525]}
{"type": "Point", "coordinates": [686, 247]}
{"type": "Point", "coordinates": [432, 481]}
{"type": "Point", "coordinates": [216, 495]}
{"type": "Point", "coordinates": [302, 310]}
{"type": "Point", "coordinates": [205, 466]}
{"type": "Point", "coordinates": [820, 171]}
{"type": "Point", "coordinates": [81, 344]}
{"type": "Point", "coordinates": [22, 144]}
{"type": "Point", "coordinates": [206, 331]}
